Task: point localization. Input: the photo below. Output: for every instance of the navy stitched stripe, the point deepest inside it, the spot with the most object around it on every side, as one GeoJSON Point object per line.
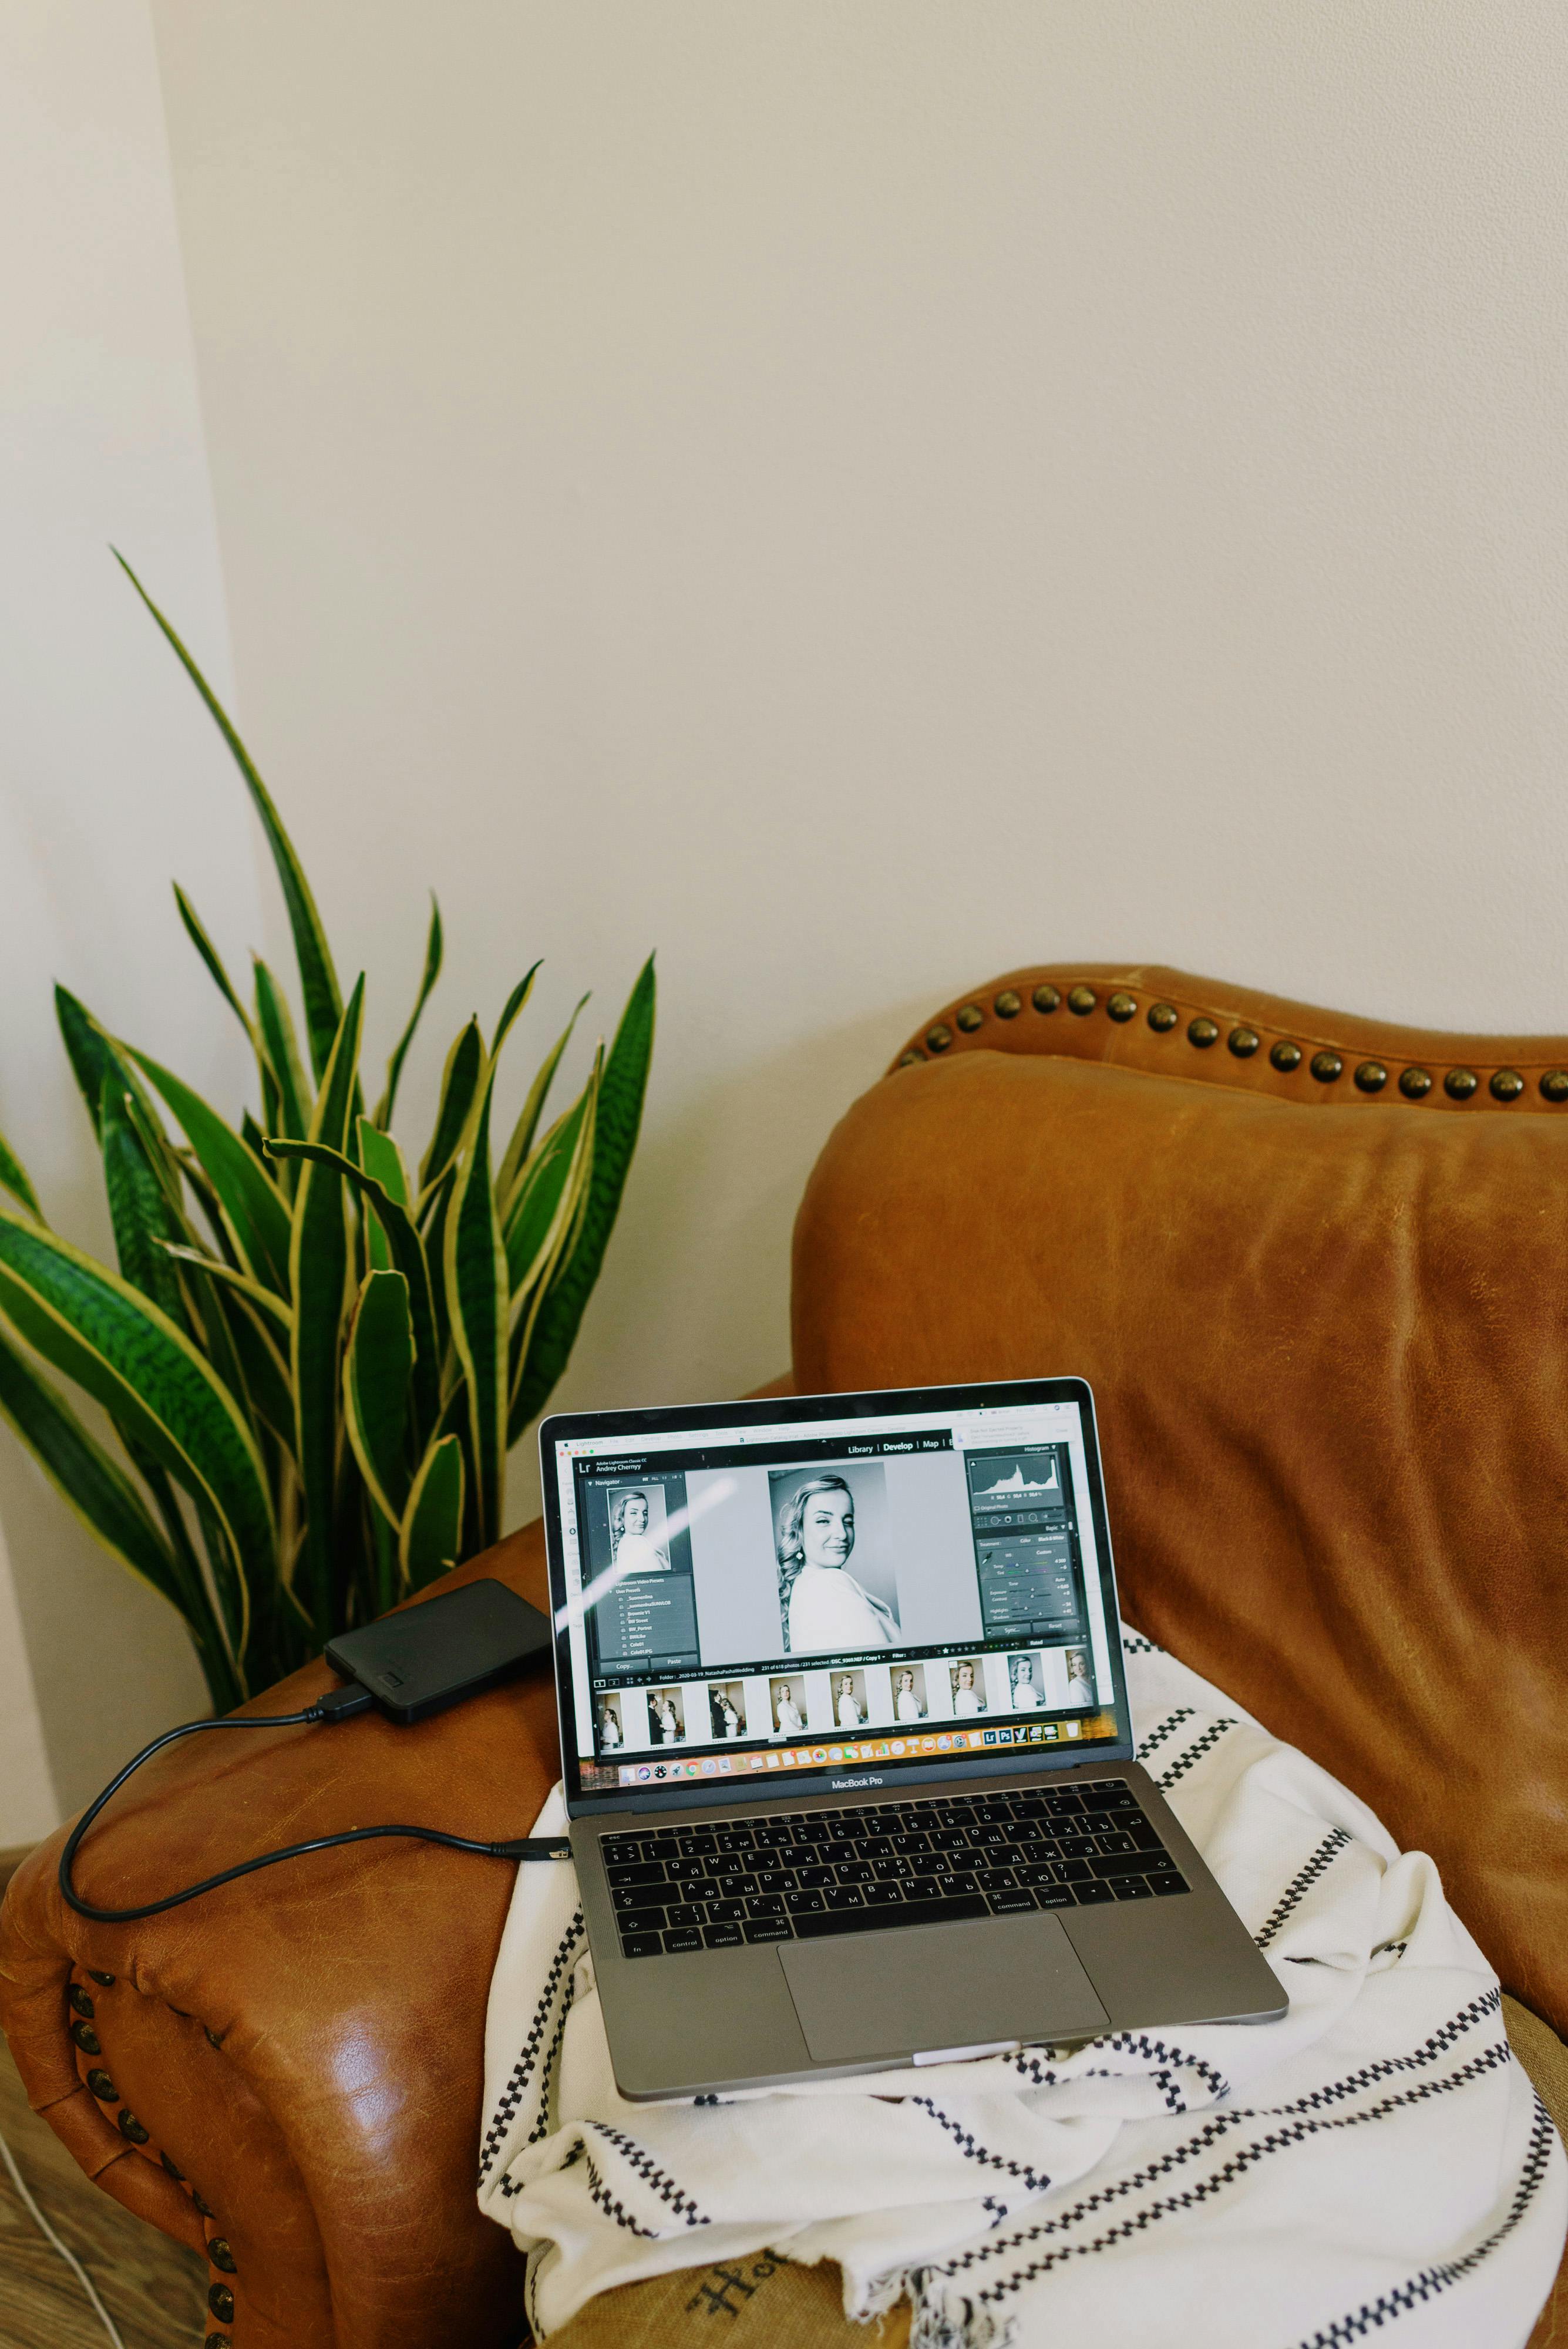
{"type": "Point", "coordinates": [1135, 1644]}
{"type": "Point", "coordinates": [1166, 1728]}
{"type": "Point", "coordinates": [512, 2094]}
{"type": "Point", "coordinates": [638, 2160]}
{"type": "Point", "coordinates": [971, 2150]}
{"type": "Point", "coordinates": [611, 2204]}
{"type": "Point", "coordinates": [1391, 2305]}
{"type": "Point", "coordinates": [1128, 2043]}
{"type": "Point", "coordinates": [1195, 1753]}
{"type": "Point", "coordinates": [1328, 1850]}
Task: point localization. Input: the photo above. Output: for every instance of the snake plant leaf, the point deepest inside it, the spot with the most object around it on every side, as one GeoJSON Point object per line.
{"type": "Point", "coordinates": [317, 1278]}
{"type": "Point", "coordinates": [117, 1345]}
{"type": "Point", "coordinates": [432, 1536]}
{"type": "Point", "coordinates": [550, 1220]}
{"type": "Point", "coordinates": [511, 1008]}
{"type": "Point", "coordinates": [195, 930]}
{"type": "Point", "coordinates": [460, 1081]}
{"type": "Point", "coordinates": [257, 1217]}
{"type": "Point", "coordinates": [88, 1048]}
{"type": "Point", "coordinates": [262, 1359]}
{"type": "Point", "coordinates": [139, 1211]}
{"type": "Point", "coordinates": [317, 978]}
{"type": "Point", "coordinates": [474, 1264]}
{"type": "Point", "coordinates": [13, 1178]}
{"type": "Point", "coordinates": [276, 1309]}
{"type": "Point", "coordinates": [380, 1157]}
{"type": "Point", "coordinates": [531, 1225]}
{"type": "Point", "coordinates": [409, 1258]}
{"type": "Point", "coordinates": [275, 1024]}
{"type": "Point", "coordinates": [431, 973]}
{"type": "Point", "coordinates": [376, 1372]}
{"type": "Point", "coordinates": [83, 1474]}
{"type": "Point", "coordinates": [618, 1117]}
{"type": "Point", "coordinates": [523, 1132]}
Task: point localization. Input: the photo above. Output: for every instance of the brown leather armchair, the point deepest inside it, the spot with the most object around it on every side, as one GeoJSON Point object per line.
{"type": "Point", "coordinates": [1331, 1373]}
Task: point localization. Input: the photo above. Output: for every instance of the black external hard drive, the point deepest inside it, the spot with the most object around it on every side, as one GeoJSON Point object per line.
{"type": "Point", "coordinates": [426, 1657]}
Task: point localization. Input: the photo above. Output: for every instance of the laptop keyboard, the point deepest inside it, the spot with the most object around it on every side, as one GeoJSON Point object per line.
{"type": "Point", "coordinates": [714, 1884]}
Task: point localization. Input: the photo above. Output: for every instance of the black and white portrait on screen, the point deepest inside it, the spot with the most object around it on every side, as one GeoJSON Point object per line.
{"type": "Point", "coordinates": [608, 1725]}
{"type": "Point", "coordinates": [836, 1581]}
{"type": "Point", "coordinates": [1023, 1683]}
{"type": "Point", "coordinates": [968, 1687]}
{"type": "Point", "coordinates": [727, 1710]}
{"type": "Point", "coordinates": [666, 1716]}
{"type": "Point", "coordinates": [787, 1698]}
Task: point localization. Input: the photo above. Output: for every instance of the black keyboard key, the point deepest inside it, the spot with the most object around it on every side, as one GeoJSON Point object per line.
{"type": "Point", "coordinates": [989, 1838]}
{"type": "Point", "coordinates": [874, 1848]}
{"type": "Point", "coordinates": [772, 1838]}
{"type": "Point", "coordinates": [691, 1846]}
{"type": "Point", "coordinates": [726, 1912]}
{"type": "Point", "coordinates": [641, 1945]}
{"type": "Point", "coordinates": [958, 1815]}
{"type": "Point", "coordinates": [1127, 1863]}
{"type": "Point", "coordinates": [951, 1839]}
{"type": "Point", "coordinates": [678, 1944]}
{"type": "Point", "coordinates": [722, 1937]}
{"type": "Point", "coordinates": [632, 1876]}
{"type": "Point", "coordinates": [1112, 1798]}
{"type": "Point", "coordinates": [641, 1920]}
{"type": "Point", "coordinates": [1110, 1840]}
{"type": "Point", "coordinates": [769, 1928]}
{"type": "Point", "coordinates": [844, 1895]}
{"type": "Point", "coordinates": [811, 1877]}
{"type": "Point", "coordinates": [1075, 1871]}
{"type": "Point", "coordinates": [1076, 1846]}
{"type": "Point", "coordinates": [921, 1887]}
{"type": "Point", "coordinates": [736, 1839]}
{"type": "Point", "coordinates": [907, 1912]}
{"type": "Point", "coordinates": [955, 1886]}
{"type": "Point", "coordinates": [685, 1913]}
{"type": "Point", "coordinates": [765, 1904]}
{"type": "Point", "coordinates": [1032, 1872]}
{"type": "Point", "coordinates": [1054, 1896]}
{"type": "Point", "coordinates": [852, 1871]}
{"type": "Point", "coordinates": [1090, 1895]}
{"type": "Point", "coordinates": [912, 1844]}
{"type": "Point", "coordinates": [1144, 1833]}
{"type": "Point", "coordinates": [996, 1879]}
{"type": "Point", "coordinates": [1164, 1885]}
{"type": "Point", "coordinates": [884, 1896]}
{"type": "Point", "coordinates": [733, 1887]}
{"type": "Point", "coordinates": [1010, 1904]}
{"type": "Point", "coordinates": [1130, 1887]}
{"type": "Point", "coordinates": [638, 1895]}
{"type": "Point", "coordinates": [804, 1904]}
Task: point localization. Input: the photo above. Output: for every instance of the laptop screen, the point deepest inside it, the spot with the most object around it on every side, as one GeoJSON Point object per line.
{"type": "Point", "coordinates": [812, 1589]}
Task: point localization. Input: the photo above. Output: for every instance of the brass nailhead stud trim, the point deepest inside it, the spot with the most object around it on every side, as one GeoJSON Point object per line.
{"type": "Point", "coordinates": [1008, 1004]}
{"type": "Point", "coordinates": [104, 1982]}
{"type": "Point", "coordinates": [1045, 998]}
{"type": "Point", "coordinates": [1285, 1057]}
{"type": "Point", "coordinates": [1122, 1007]}
{"type": "Point", "coordinates": [1082, 1000]}
{"type": "Point", "coordinates": [971, 1018]}
{"type": "Point", "coordinates": [220, 2301]}
{"type": "Point", "coordinates": [1244, 1042]}
{"type": "Point", "coordinates": [911, 1060]}
{"type": "Point", "coordinates": [131, 2126]}
{"type": "Point", "coordinates": [1554, 1085]}
{"type": "Point", "coordinates": [1461, 1083]}
{"type": "Point", "coordinates": [221, 2257]}
{"type": "Point", "coordinates": [1202, 1033]}
{"type": "Point", "coordinates": [178, 2175]}
{"type": "Point", "coordinates": [1506, 1085]}
{"type": "Point", "coordinates": [80, 2000]}
{"type": "Point", "coordinates": [212, 2039]}
{"type": "Point", "coordinates": [103, 2088]}
{"type": "Point", "coordinates": [1162, 1017]}
{"type": "Point", "coordinates": [1415, 1083]}
{"type": "Point", "coordinates": [1326, 1067]}
{"type": "Point", "coordinates": [217, 2341]}
{"type": "Point", "coordinates": [1371, 1077]}
{"type": "Point", "coordinates": [204, 2206]}
{"type": "Point", "coordinates": [86, 2038]}
{"type": "Point", "coordinates": [939, 1037]}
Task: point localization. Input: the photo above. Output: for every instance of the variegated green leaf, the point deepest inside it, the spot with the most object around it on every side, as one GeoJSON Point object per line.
{"type": "Point", "coordinates": [531, 1224]}
{"type": "Point", "coordinates": [13, 1178]}
{"type": "Point", "coordinates": [139, 1211]}
{"type": "Point", "coordinates": [318, 1277]}
{"type": "Point", "coordinates": [275, 1024]}
{"type": "Point", "coordinates": [432, 1536]}
{"type": "Point", "coordinates": [476, 1297]}
{"type": "Point", "coordinates": [276, 1309]}
{"type": "Point", "coordinates": [511, 1008]}
{"type": "Point", "coordinates": [555, 1243]}
{"type": "Point", "coordinates": [523, 1132]}
{"type": "Point", "coordinates": [317, 978]}
{"type": "Point", "coordinates": [195, 930]}
{"type": "Point", "coordinates": [460, 1081]}
{"type": "Point", "coordinates": [431, 973]}
{"type": "Point", "coordinates": [380, 1157]}
{"type": "Point", "coordinates": [257, 1217]}
{"type": "Point", "coordinates": [376, 1367]}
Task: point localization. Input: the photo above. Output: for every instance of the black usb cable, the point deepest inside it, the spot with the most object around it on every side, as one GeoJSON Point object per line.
{"type": "Point", "coordinates": [337, 1704]}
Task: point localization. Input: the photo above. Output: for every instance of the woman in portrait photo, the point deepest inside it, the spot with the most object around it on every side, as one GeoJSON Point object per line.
{"type": "Point", "coordinates": [906, 1705]}
{"type": "Point", "coordinates": [846, 1704]}
{"type": "Point", "coordinates": [609, 1728]}
{"type": "Point", "coordinates": [821, 1604]}
{"type": "Point", "coordinates": [727, 1722]}
{"type": "Point", "coordinates": [1080, 1684]}
{"type": "Point", "coordinates": [633, 1550]}
{"type": "Point", "coordinates": [665, 1718]}
{"type": "Point", "coordinates": [967, 1698]}
{"type": "Point", "coordinates": [1025, 1695]}
{"type": "Point", "coordinates": [786, 1713]}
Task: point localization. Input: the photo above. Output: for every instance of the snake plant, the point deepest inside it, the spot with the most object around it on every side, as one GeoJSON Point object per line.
{"type": "Point", "coordinates": [314, 1355]}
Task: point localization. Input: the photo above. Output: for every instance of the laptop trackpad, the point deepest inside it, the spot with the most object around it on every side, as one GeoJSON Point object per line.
{"type": "Point", "coordinates": [860, 1995]}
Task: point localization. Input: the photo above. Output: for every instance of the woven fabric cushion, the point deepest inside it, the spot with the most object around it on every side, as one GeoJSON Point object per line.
{"type": "Point", "coordinates": [1328, 1349]}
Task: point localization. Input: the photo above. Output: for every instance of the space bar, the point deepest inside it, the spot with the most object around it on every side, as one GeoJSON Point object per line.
{"type": "Point", "coordinates": [874, 1920]}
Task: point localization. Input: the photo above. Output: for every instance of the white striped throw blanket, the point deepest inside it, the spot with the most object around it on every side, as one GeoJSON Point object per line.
{"type": "Point", "coordinates": [1377, 2163]}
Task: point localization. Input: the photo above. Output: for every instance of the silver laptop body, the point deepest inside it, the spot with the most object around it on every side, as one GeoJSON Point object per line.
{"type": "Point", "coordinates": [845, 1744]}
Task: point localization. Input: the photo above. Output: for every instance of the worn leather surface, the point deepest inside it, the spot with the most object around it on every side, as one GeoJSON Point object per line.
{"type": "Point", "coordinates": [1325, 1332]}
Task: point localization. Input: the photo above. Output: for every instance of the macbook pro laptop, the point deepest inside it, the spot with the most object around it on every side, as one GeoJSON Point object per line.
{"type": "Point", "coordinates": [845, 1743]}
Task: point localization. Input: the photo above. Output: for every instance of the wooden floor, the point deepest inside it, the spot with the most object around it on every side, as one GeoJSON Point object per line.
{"type": "Point", "coordinates": [154, 2290]}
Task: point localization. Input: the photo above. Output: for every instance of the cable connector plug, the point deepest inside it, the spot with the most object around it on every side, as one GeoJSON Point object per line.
{"type": "Point", "coordinates": [534, 1848]}
{"type": "Point", "coordinates": [339, 1704]}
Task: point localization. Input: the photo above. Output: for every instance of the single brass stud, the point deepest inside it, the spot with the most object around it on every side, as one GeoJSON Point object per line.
{"type": "Point", "coordinates": [80, 2000]}
{"type": "Point", "coordinates": [1162, 1017]}
{"type": "Point", "coordinates": [212, 2038]}
{"type": "Point", "coordinates": [1554, 1085]}
{"type": "Point", "coordinates": [1202, 1033]}
{"type": "Point", "coordinates": [86, 2038]}
{"type": "Point", "coordinates": [130, 2127]}
{"type": "Point", "coordinates": [971, 1018]}
{"type": "Point", "coordinates": [104, 1982]}
{"type": "Point", "coordinates": [1507, 1084]}
{"type": "Point", "coordinates": [220, 2301]}
{"type": "Point", "coordinates": [204, 2206]}
{"type": "Point", "coordinates": [1416, 1084]}
{"type": "Point", "coordinates": [1371, 1076]}
{"type": "Point", "coordinates": [217, 2341]}
{"type": "Point", "coordinates": [939, 1037]}
{"type": "Point", "coordinates": [1008, 1004]}
{"type": "Point", "coordinates": [1122, 1007]}
{"type": "Point", "coordinates": [911, 1060]}
{"type": "Point", "coordinates": [1326, 1067]}
{"type": "Point", "coordinates": [1082, 1000]}
{"type": "Point", "coordinates": [1461, 1083]}
{"type": "Point", "coordinates": [103, 2088]}
{"type": "Point", "coordinates": [1045, 998]}
{"type": "Point", "coordinates": [176, 2174]}
{"type": "Point", "coordinates": [1285, 1057]}
{"type": "Point", "coordinates": [221, 2257]}
{"type": "Point", "coordinates": [1244, 1042]}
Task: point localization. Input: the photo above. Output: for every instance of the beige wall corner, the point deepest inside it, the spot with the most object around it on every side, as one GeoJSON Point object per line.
{"type": "Point", "coordinates": [28, 1808]}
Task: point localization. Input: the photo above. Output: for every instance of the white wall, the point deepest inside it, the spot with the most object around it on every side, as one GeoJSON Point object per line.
{"type": "Point", "coordinates": [109, 782]}
{"type": "Point", "coordinates": [861, 496]}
